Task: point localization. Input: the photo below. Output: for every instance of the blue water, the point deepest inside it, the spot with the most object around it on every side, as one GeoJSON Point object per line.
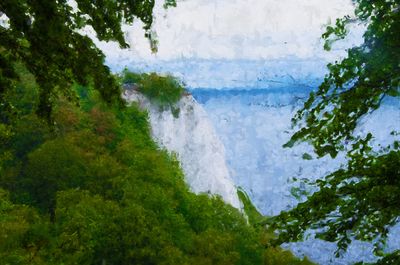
{"type": "Point", "coordinates": [253, 124]}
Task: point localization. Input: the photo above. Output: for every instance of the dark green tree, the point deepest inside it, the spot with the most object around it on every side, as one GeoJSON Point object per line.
{"type": "Point", "coordinates": [45, 36]}
{"type": "Point", "coordinates": [360, 200]}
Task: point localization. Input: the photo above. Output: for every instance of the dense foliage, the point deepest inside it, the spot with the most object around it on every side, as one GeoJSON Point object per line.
{"type": "Point", "coordinates": [164, 91]}
{"type": "Point", "coordinates": [93, 188]}
{"type": "Point", "coordinates": [361, 199]}
{"type": "Point", "coordinates": [47, 37]}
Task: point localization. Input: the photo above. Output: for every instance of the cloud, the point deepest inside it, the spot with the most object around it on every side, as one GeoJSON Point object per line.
{"type": "Point", "coordinates": [238, 29]}
{"type": "Point", "coordinates": [202, 41]}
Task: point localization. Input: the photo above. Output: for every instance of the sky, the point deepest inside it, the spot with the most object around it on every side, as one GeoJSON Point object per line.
{"type": "Point", "coordinates": [239, 29]}
{"type": "Point", "coordinates": [235, 43]}
{"type": "Point", "coordinates": [233, 31]}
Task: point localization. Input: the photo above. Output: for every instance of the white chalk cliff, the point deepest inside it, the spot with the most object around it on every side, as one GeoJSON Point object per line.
{"type": "Point", "coordinates": [192, 137]}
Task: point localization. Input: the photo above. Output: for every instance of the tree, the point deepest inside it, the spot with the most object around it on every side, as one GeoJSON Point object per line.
{"type": "Point", "coordinates": [361, 199]}
{"type": "Point", "coordinates": [45, 37]}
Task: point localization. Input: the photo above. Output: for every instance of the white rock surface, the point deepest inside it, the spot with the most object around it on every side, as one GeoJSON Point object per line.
{"type": "Point", "coordinates": [192, 137]}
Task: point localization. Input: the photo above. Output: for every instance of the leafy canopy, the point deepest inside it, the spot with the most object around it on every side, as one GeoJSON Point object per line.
{"type": "Point", "coordinates": [360, 200]}
{"type": "Point", "coordinates": [46, 36]}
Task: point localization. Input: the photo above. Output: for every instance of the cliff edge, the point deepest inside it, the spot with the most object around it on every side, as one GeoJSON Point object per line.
{"type": "Point", "coordinates": [192, 137]}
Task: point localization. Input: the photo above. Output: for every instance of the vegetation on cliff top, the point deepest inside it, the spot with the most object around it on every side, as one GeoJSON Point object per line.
{"type": "Point", "coordinates": [164, 91]}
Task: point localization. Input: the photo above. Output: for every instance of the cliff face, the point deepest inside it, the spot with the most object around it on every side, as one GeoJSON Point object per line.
{"type": "Point", "coordinates": [192, 137]}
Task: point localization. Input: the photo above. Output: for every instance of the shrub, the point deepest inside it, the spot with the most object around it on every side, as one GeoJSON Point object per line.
{"type": "Point", "coordinates": [164, 91]}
